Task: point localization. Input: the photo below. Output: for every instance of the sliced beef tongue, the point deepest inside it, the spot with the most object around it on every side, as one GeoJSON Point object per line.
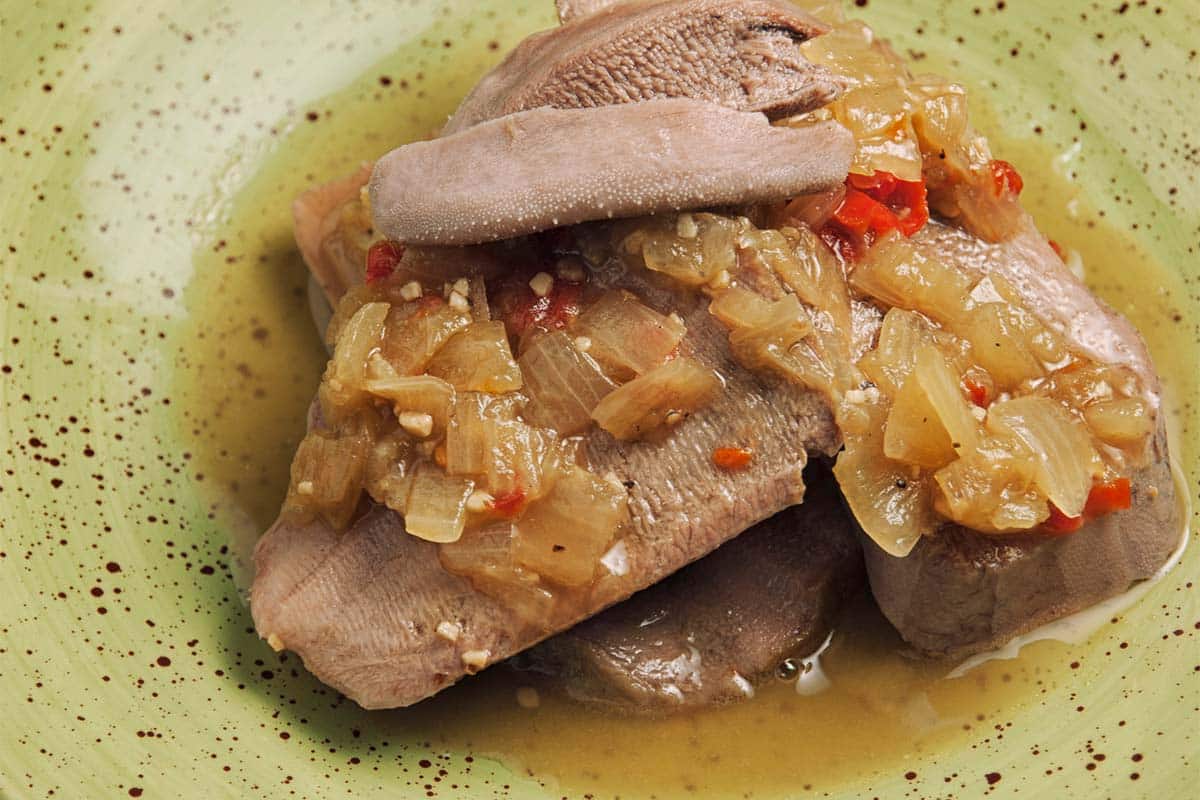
{"type": "Point", "coordinates": [715, 629]}
{"type": "Point", "coordinates": [528, 173]}
{"type": "Point", "coordinates": [743, 54]}
{"type": "Point", "coordinates": [362, 608]}
{"type": "Point", "coordinates": [961, 592]}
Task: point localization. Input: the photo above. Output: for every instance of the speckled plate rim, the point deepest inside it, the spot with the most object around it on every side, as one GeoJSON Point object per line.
{"type": "Point", "coordinates": [126, 133]}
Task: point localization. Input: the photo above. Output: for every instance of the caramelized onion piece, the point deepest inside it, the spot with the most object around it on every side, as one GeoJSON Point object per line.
{"type": "Point", "coordinates": [478, 359]}
{"type": "Point", "coordinates": [1065, 462]}
{"type": "Point", "coordinates": [627, 337]}
{"type": "Point", "coordinates": [1121, 422]}
{"type": "Point", "coordinates": [664, 396]}
{"type": "Point", "coordinates": [690, 248]}
{"type": "Point", "coordinates": [564, 385]}
{"type": "Point", "coordinates": [890, 500]}
{"type": "Point", "coordinates": [414, 394]}
{"type": "Point", "coordinates": [414, 336]}
{"type": "Point", "coordinates": [563, 535]}
{"type": "Point", "coordinates": [436, 510]}
{"type": "Point", "coordinates": [327, 475]}
{"type": "Point", "coordinates": [343, 387]}
{"type": "Point", "coordinates": [485, 557]}
{"type": "Point", "coordinates": [895, 273]}
{"type": "Point", "coordinates": [991, 490]}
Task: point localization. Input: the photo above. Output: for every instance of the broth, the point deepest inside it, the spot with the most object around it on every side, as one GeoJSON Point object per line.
{"type": "Point", "coordinates": [254, 361]}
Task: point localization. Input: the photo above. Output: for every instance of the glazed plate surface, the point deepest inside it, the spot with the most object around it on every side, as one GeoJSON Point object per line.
{"type": "Point", "coordinates": [157, 358]}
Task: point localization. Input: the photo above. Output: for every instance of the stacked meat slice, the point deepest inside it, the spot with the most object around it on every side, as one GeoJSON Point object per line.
{"type": "Point", "coordinates": [644, 107]}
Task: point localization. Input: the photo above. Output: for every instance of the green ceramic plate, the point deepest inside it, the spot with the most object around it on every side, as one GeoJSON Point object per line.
{"type": "Point", "coordinates": [157, 359]}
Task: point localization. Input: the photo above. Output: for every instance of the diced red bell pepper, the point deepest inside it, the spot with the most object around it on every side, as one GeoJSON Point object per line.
{"type": "Point", "coordinates": [521, 309]}
{"type": "Point", "coordinates": [1059, 524]}
{"type": "Point", "coordinates": [878, 184]}
{"type": "Point", "coordinates": [1104, 498]}
{"type": "Point", "coordinates": [978, 393]}
{"type": "Point", "coordinates": [873, 206]}
{"type": "Point", "coordinates": [909, 203]}
{"type": "Point", "coordinates": [732, 458]}
{"type": "Point", "coordinates": [1058, 249]}
{"type": "Point", "coordinates": [850, 247]}
{"type": "Point", "coordinates": [382, 259]}
{"type": "Point", "coordinates": [1116, 495]}
{"type": "Point", "coordinates": [860, 214]}
{"type": "Point", "coordinates": [1005, 178]}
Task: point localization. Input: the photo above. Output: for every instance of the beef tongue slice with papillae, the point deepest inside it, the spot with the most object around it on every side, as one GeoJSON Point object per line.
{"type": "Point", "coordinates": [744, 54]}
{"type": "Point", "coordinates": [960, 592]}
{"type": "Point", "coordinates": [362, 607]}
{"type": "Point", "coordinates": [712, 631]}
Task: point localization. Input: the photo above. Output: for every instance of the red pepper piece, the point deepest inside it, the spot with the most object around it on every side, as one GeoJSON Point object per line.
{"type": "Point", "coordinates": [909, 203]}
{"type": "Point", "coordinates": [860, 213]}
{"type": "Point", "coordinates": [850, 247]}
{"type": "Point", "coordinates": [732, 458]}
{"type": "Point", "coordinates": [1005, 178]}
{"type": "Point", "coordinates": [1116, 495]}
{"type": "Point", "coordinates": [1105, 498]}
{"type": "Point", "coordinates": [522, 309]}
{"type": "Point", "coordinates": [1059, 524]}
{"type": "Point", "coordinates": [873, 206]}
{"type": "Point", "coordinates": [509, 504]}
{"type": "Point", "coordinates": [1058, 249]}
{"type": "Point", "coordinates": [382, 259]}
{"type": "Point", "coordinates": [978, 393]}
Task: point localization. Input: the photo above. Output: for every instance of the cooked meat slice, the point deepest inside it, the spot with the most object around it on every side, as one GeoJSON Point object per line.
{"type": "Point", "coordinates": [744, 54]}
{"type": "Point", "coordinates": [362, 607]}
{"type": "Point", "coordinates": [316, 216]}
{"type": "Point", "coordinates": [527, 172]}
{"type": "Point", "coordinates": [716, 628]}
{"type": "Point", "coordinates": [962, 592]}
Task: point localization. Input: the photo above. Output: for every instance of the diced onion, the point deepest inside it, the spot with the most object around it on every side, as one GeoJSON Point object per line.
{"type": "Point", "coordinates": [563, 536]}
{"type": "Point", "coordinates": [691, 260]}
{"type": "Point", "coordinates": [518, 457]}
{"type": "Point", "coordinates": [627, 337]}
{"type": "Point", "coordinates": [485, 557]}
{"type": "Point", "coordinates": [942, 386]}
{"type": "Point", "coordinates": [737, 307]}
{"type": "Point", "coordinates": [779, 326]}
{"type": "Point", "coordinates": [504, 454]}
{"type": "Point", "coordinates": [421, 393]}
{"type": "Point", "coordinates": [778, 342]}
{"type": "Point", "coordinates": [342, 389]}
{"type": "Point", "coordinates": [327, 475]}
{"type": "Point", "coordinates": [914, 432]}
{"type": "Point", "coordinates": [663, 396]}
{"type": "Point", "coordinates": [991, 490]}
{"type": "Point", "coordinates": [890, 500]}
{"type": "Point", "coordinates": [412, 340]}
{"type": "Point", "coordinates": [889, 364]}
{"type": "Point", "coordinates": [1065, 460]}
{"type": "Point", "coordinates": [1122, 422]}
{"type": "Point", "coordinates": [897, 274]}
{"type": "Point", "coordinates": [389, 471]}
{"type": "Point", "coordinates": [564, 385]}
{"type": "Point", "coordinates": [436, 510]}
{"type": "Point", "coordinates": [478, 359]}
{"type": "Point", "coordinates": [490, 545]}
